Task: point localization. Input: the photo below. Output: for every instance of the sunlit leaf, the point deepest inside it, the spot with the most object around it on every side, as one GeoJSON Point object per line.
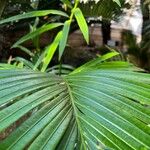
{"type": "Point", "coordinates": [26, 50]}
{"type": "Point", "coordinates": [50, 50]}
{"type": "Point", "coordinates": [64, 38]}
{"type": "Point", "coordinates": [37, 32]}
{"type": "Point", "coordinates": [118, 2]}
{"type": "Point", "coordinates": [82, 23]}
{"type": "Point", "coordinates": [33, 14]}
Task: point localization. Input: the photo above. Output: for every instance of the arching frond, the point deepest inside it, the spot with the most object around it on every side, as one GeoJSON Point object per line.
{"type": "Point", "coordinates": [99, 106]}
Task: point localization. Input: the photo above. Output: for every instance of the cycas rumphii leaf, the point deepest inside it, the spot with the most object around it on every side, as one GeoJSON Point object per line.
{"type": "Point", "coordinates": [102, 108]}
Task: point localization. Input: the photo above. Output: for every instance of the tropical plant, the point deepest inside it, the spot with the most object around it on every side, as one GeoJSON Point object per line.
{"type": "Point", "coordinates": [61, 37]}
{"type": "Point", "coordinates": [100, 105]}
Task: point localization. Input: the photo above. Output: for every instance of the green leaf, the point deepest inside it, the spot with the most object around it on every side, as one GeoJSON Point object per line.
{"type": "Point", "coordinates": [39, 61]}
{"type": "Point", "coordinates": [118, 2]}
{"type": "Point", "coordinates": [64, 38]}
{"type": "Point", "coordinates": [37, 32]}
{"type": "Point", "coordinates": [27, 51]}
{"type": "Point", "coordinates": [33, 14]}
{"type": "Point", "coordinates": [7, 66]}
{"type": "Point", "coordinates": [65, 69]}
{"type": "Point", "coordinates": [68, 3]}
{"type": "Point", "coordinates": [82, 23]}
{"type": "Point", "coordinates": [96, 62]}
{"type": "Point", "coordinates": [50, 50]}
{"type": "Point", "coordinates": [25, 62]}
{"type": "Point", "coordinates": [101, 108]}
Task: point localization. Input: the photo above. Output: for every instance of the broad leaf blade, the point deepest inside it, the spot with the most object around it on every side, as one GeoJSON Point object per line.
{"type": "Point", "coordinates": [118, 2]}
{"type": "Point", "coordinates": [50, 50]}
{"type": "Point", "coordinates": [33, 14]}
{"type": "Point", "coordinates": [24, 134]}
{"type": "Point", "coordinates": [108, 111]}
{"type": "Point", "coordinates": [64, 38]}
{"type": "Point", "coordinates": [37, 32]}
{"type": "Point", "coordinates": [96, 62]}
{"type": "Point", "coordinates": [103, 108]}
{"type": "Point", "coordinates": [82, 23]}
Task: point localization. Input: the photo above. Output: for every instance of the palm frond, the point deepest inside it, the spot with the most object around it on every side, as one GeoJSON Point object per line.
{"type": "Point", "coordinates": [88, 109]}
{"type": "Point", "coordinates": [107, 9]}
